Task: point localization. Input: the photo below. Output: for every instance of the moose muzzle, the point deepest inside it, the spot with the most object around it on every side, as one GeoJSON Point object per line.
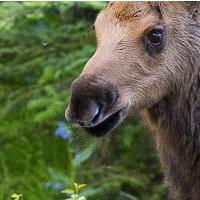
{"type": "Point", "coordinates": [91, 98]}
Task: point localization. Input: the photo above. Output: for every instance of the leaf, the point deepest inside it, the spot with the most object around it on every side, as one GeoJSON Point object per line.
{"type": "Point", "coordinates": [82, 198]}
{"type": "Point", "coordinates": [85, 154]}
{"type": "Point", "coordinates": [81, 186]}
{"type": "Point", "coordinates": [68, 191]}
{"type": "Point", "coordinates": [16, 196]}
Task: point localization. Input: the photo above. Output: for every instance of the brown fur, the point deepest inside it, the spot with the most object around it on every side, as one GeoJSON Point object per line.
{"type": "Point", "coordinates": [165, 87]}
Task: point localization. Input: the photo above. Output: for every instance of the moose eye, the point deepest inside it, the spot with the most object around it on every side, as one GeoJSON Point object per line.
{"type": "Point", "coordinates": [154, 41]}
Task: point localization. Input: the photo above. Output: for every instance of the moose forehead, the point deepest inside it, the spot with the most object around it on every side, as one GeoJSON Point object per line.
{"type": "Point", "coordinates": [120, 17]}
{"type": "Point", "coordinates": [129, 10]}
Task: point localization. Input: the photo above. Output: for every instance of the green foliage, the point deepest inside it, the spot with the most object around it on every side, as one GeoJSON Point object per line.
{"type": "Point", "coordinates": [74, 192]}
{"type": "Point", "coordinates": [44, 46]}
{"type": "Point", "coordinates": [16, 196]}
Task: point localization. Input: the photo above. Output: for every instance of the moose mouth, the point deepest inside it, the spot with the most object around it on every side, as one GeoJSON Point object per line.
{"type": "Point", "coordinates": [105, 126]}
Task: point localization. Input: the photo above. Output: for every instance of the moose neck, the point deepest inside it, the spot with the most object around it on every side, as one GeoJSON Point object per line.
{"type": "Point", "coordinates": [175, 122]}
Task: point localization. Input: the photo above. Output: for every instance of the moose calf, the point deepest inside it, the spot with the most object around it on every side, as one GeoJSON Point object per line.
{"type": "Point", "coordinates": [147, 61]}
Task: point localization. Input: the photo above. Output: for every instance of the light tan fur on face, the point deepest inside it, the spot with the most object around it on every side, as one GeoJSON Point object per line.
{"type": "Point", "coordinates": [141, 80]}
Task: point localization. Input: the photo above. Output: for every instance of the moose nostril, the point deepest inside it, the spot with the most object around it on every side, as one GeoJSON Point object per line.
{"type": "Point", "coordinates": [96, 115]}
{"type": "Point", "coordinates": [90, 113]}
{"type": "Point", "coordinates": [94, 112]}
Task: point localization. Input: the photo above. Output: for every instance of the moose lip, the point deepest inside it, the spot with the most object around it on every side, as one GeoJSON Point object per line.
{"type": "Point", "coordinates": [105, 126]}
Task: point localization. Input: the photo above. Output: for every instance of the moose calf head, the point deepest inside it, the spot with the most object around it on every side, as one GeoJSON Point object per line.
{"type": "Point", "coordinates": [140, 58]}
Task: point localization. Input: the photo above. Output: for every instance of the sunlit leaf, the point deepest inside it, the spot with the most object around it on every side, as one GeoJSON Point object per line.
{"type": "Point", "coordinates": [68, 191]}
{"type": "Point", "coordinates": [16, 196]}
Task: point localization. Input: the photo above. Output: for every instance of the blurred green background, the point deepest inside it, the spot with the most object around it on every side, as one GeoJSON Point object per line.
{"type": "Point", "coordinates": [43, 47]}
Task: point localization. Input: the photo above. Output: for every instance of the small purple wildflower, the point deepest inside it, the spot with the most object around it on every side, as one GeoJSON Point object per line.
{"type": "Point", "coordinates": [47, 185]}
{"type": "Point", "coordinates": [63, 132]}
{"type": "Point", "coordinates": [58, 186]}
